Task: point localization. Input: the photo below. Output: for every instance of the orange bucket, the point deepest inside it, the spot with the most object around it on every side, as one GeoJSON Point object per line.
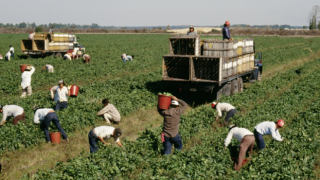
{"type": "Point", "coordinates": [164, 102]}
{"type": "Point", "coordinates": [23, 67]}
{"type": "Point", "coordinates": [74, 91]}
{"type": "Point", "coordinates": [55, 137]}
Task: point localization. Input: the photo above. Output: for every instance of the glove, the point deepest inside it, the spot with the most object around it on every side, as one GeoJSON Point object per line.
{"type": "Point", "coordinates": [69, 87]}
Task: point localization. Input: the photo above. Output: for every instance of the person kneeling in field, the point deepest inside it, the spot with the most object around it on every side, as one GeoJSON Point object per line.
{"type": "Point", "coordinates": [45, 116]}
{"type": "Point", "coordinates": [267, 128]}
{"type": "Point", "coordinates": [170, 130]}
{"type": "Point", "coordinates": [109, 112]}
{"type": "Point", "coordinates": [224, 108]}
{"type": "Point", "coordinates": [12, 110]}
{"type": "Point", "coordinates": [86, 58]}
{"type": "Point", "coordinates": [101, 133]}
{"type": "Point", "coordinates": [49, 67]}
{"type": "Point", "coordinates": [245, 137]}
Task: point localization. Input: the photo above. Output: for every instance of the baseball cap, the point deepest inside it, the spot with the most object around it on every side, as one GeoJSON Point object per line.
{"type": "Point", "coordinates": [117, 132]}
{"type": "Point", "coordinates": [61, 81]}
{"type": "Point", "coordinates": [174, 102]}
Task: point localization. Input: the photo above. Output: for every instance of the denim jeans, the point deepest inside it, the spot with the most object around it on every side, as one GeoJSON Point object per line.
{"type": "Point", "coordinates": [61, 105]}
{"type": "Point", "coordinates": [52, 117]}
{"type": "Point", "coordinates": [93, 141]}
{"type": "Point", "coordinates": [230, 114]}
{"type": "Point", "coordinates": [256, 71]}
{"type": "Point", "coordinates": [124, 60]}
{"type": "Point", "coordinates": [259, 140]}
{"type": "Point", "coordinates": [12, 55]}
{"type": "Point", "coordinates": [167, 144]}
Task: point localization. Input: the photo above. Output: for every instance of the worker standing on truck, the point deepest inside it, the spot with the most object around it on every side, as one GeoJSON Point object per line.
{"type": "Point", "coordinates": [11, 50]}
{"type": "Point", "coordinates": [8, 55]}
{"type": "Point", "coordinates": [62, 93]}
{"type": "Point", "coordinates": [31, 35]}
{"type": "Point", "coordinates": [170, 130]}
{"type": "Point", "coordinates": [109, 112]}
{"type": "Point", "coordinates": [267, 128]}
{"type": "Point", "coordinates": [224, 108]}
{"type": "Point", "coordinates": [26, 81]}
{"type": "Point", "coordinates": [245, 137]}
{"type": "Point", "coordinates": [14, 111]}
{"type": "Point", "coordinates": [226, 31]}
{"type": "Point", "coordinates": [86, 58]}
{"type": "Point", "coordinates": [53, 91]}
{"type": "Point", "coordinates": [45, 116]}
{"type": "Point", "coordinates": [191, 31]}
{"type": "Point", "coordinates": [49, 67]}
{"type": "Point", "coordinates": [103, 132]}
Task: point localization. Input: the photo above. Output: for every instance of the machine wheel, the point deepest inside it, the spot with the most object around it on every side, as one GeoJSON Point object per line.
{"type": "Point", "coordinates": [234, 87]}
{"type": "Point", "coordinates": [240, 84]}
{"type": "Point", "coordinates": [59, 55]}
{"type": "Point", "coordinates": [227, 90]}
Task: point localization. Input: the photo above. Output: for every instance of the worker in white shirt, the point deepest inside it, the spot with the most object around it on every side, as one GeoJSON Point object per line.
{"type": "Point", "coordinates": [31, 35]}
{"type": "Point", "coordinates": [8, 55]}
{"type": "Point", "coordinates": [14, 111]}
{"type": "Point", "coordinates": [49, 67]}
{"type": "Point", "coordinates": [53, 92]}
{"type": "Point", "coordinates": [45, 116]}
{"type": "Point", "coordinates": [1, 58]}
{"type": "Point", "coordinates": [109, 112]}
{"type": "Point", "coordinates": [103, 132]}
{"type": "Point", "coordinates": [267, 128]}
{"type": "Point", "coordinates": [124, 57]}
{"type": "Point", "coordinates": [11, 50]}
{"type": "Point", "coordinates": [245, 137]}
{"type": "Point", "coordinates": [67, 56]}
{"type": "Point", "coordinates": [62, 93]}
{"type": "Point", "coordinates": [26, 81]}
{"type": "Point", "coordinates": [86, 58]}
{"type": "Point", "coordinates": [223, 108]}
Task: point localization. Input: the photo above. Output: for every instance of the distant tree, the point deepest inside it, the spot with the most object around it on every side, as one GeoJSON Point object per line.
{"type": "Point", "coordinates": [314, 14]}
{"type": "Point", "coordinates": [33, 25]}
{"type": "Point", "coordinates": [22, 25]}
{"type": "Point", "coordinates": [39, 29]}
{"type": "Point", "coordinates": [168, 27]}
{"type": "Point", "coordinates": [319, 25]}
{"type": "Point", "coordinates": [73, 26]}
{"type": "Point", "coordinates": [312, 23]}
{"type": "Point", "coordinates": [304, 27]}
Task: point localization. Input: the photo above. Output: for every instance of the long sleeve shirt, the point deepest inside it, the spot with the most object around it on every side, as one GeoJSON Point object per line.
{"type": "Point", "coordinates": [11, 110]}
{"type": "Point", "coordinates": [267, 128]}
{"type": "Point", "coordinates": [52, 92]}
{"type": "Point", "coordinates": [237, 133]}
{"type": "Point", "coordinates": [172, 119]}
{"type": "Point", "coordinates": [105, 132]}
{"type": "Point", "coordinates": [8, 55]}
{"type": "Point", "coordinates": [49, 66]}
{"type": "Point", "coordinates": [223, 107]}
{"type": "Point", "coordinates": [41, 114]}
{"type": "Point", "coordinates": [110, 109]}
{"type": "Point", "coordinates": [62, 94]}
{"type": "Point", "coordinates": [26, 78]}
{"type": "Point", "coordinates": [31, 35]}
{"type": "Point", "coordinates": [11, 49]}
{"type": "Point", "coordinates": [226, 33]}
{"type": "Point", "coordinates": [192, 33]}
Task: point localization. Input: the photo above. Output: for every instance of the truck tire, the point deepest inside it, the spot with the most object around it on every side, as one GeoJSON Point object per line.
{"type": "Point", "coordinates": [227, 89]}
{"type": "Point", "coordinates": [59, 55]}
{"type": "Point", "coordinates": [240, 84]}
{"type": "Point", "coordinates": [234, 87]}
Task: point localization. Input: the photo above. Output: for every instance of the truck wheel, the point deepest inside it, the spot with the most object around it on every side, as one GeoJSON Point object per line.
{"type": "Point", "coordinates": [59, 55]}
{"type": "Point", "coordinates": [234, 87]}
{"type": "Point", "coordinates": [227, 89]}
{"type": "Point", "coordinates": [240, 84]}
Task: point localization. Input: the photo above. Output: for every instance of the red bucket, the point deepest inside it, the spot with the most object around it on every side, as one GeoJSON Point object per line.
{"type": "Point", "coordinates": [74, 91]}
{"type": "Point", "coordinates": [164, 102]}
{"type": "Point", "coordinates": [55, 137]}
{"type": "Point", "coordinates": [23, 67]}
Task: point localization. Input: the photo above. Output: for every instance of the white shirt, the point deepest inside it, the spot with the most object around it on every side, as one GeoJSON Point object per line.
{"type": "Point", "coordinates": [124, 56]}
{"type": "Point", "coordinates": [26, 78]}
{"type": "Point", "coordinates": [11, 110]}
{"type": "Point", "coordinates": [31, 35]}
{"type": "Point", "coordinates": [67, 56]}
{"type": "Point", "coordinates": [267, 128]}
{"type": "Point", "coordinates": [8, 54]}
{"type": "Point", "coordinates": [48, 66]}
{"type": "Point", "coordinates": [105, 132]}
{"type": "Point", "coordinates": [41, 115]}
{"type": "Point", "coordinates": [62, 94]}
{"type": "Point", "coordinates": [11, 49]}
{"type": "Point", "coordinates": [237, 133]}
{"type": "Point", "coordinates": [52, 92]}
{"type": "Point", "coordinates": [223, 107]}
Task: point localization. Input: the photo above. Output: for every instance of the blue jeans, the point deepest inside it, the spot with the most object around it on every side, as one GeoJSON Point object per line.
{"type": "Point", "coordinates": [256, 71]}
{"type": "Point", "coordinates": [167, 144]}
{"type": "Point", "coordinates": [52, 117]}
{"type": "Point", "coordinates": [230, 114]}
{"type": "Point", "coordinates": [124, 60]}
{"type": "Point", "coordinates": [61, 105]}
{"type": "Point", "coordinates": [259, 139]}
{"type": "Point", "coordinates": [12, 55]}
{"type": "Point", "coordinates": [93, 141]}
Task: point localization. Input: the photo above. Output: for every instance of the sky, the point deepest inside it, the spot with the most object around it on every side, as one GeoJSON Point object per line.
{"type": "Point", "coordinates": [157, 12]}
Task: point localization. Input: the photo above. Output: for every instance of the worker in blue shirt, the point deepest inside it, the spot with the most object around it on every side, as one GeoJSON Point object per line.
{"type": "Point", "coordinates": [226, 31]}
{"type": "Point", "coordinates": [258, 67]}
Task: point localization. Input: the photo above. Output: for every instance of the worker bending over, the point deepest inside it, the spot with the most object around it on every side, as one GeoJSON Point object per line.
{"type": "Point", "coordinates": [109, 112]}
{"type": "Point", "coordinates": [191, 31]}
{"type": "Point", "coordinates": [62, 93]}
{"type": "Point", "coordinates": [11, 50]}
{"type": "Point", "coordinates": [67, 56]}
{"type": "Point", "coordinates": [226, 31]}
{"type": "Point", "coordinates": [8, 55]}
{"type": "Point", "coordinates": [26, 81]}
{"type": "Point", "coordinates": [223, 108]}
{"type": "Point", "coordinates": [86, 58]}
{"type": "Point", "coordinates": [171, 122]}
{"type": "Point", "coordinates": [53, 91]}
{"type": "Point", "coordinates": [49, 67]}
{"type": "Point", "coordinates": [103, 132]}
{"type": "Point", "coordinates": [1, 58]}
{"type": "Point", "coordinates": [80, 52]}
{"type": "Point", "coordinates": [245, 137]}
{"type": "Point", "coordinates": [267, 128]}
{"type": "Point", "coordinates": [45, 116]}
{"type": "Point", "coordinates": [14, 111]}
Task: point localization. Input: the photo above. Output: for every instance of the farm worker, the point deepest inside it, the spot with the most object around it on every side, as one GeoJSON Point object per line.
{"type": "Point", "coordinates": [191, 31]}
{"type": "Point", "coordinates": [67, 56]}
{"type": "Point", "coordinates": [86, 58]}
{"type": "Point", "coordinates": [224, 108]}
{"type": "Point", "coordinates": [124, 57]}
{"type": "Point", "coordinates": [1, 58]}
{"type": "Point", "coordinates": [101, 133]}
{"type": "Point", "coordinates": [62, 93]}
{"type": "Point", "coordinates": [31, 35]}
{"type": "Point", "coordinates": [267, 128]}
{"type": "Point", "coordinates": [49, 67]}
{"type": "Point", "coordinates": [14, 111]}
{"type": "Point", "coordinates": [245, 137]}
{"type": "Point", "coordinates": [45, 116]}
{"type": "Point", "coordinates": [26, 81]}
{"type": "Point", "coordinates": [171, 122]}
{"type": "Point", "coordinates": [52, 92]}
{"type": "Point", "coordinates": [8, 55]}
{"type": "Point", "coordinates": [130, 57]}
{"type": "Point", "coordinates": [109, 112]}
{"type": "Point", "coordinates": [11, 50]}
{"type": "Point", "coordinates": [74, 55]}
{"type": "Point", "coordinates": [258, 67]}
{"type": "Point", "coordinates": [80, 52]}
{"type": "Point", "coordinates": [226, 31]}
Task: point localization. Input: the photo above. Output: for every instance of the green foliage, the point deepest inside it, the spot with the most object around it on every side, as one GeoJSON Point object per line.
{"type": "Point", "coordinates": [39, 29]}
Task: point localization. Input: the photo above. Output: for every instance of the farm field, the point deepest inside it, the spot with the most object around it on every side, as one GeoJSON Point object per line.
{"type": "Point", "coordinates": [134, 85]}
